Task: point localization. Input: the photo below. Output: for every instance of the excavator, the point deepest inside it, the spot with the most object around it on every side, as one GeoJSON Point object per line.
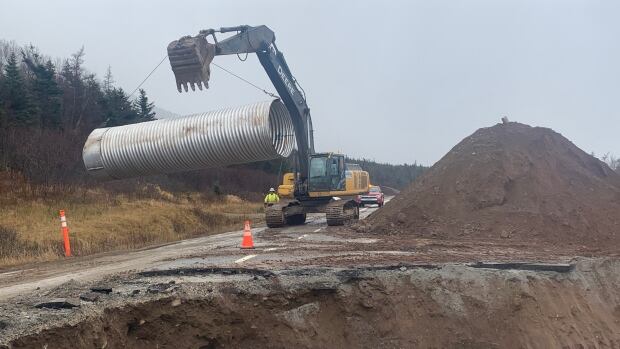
{"type": "Point", "coordinates": [322, 182]}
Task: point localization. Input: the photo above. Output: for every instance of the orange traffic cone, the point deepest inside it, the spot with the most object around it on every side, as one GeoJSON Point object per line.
{"type": "Point", "coordinates": [247, 241]}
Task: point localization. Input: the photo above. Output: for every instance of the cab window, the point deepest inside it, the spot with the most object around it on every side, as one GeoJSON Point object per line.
{"type": "Point", "coordinates": [318, 167]}
{"type": "Point", "coordinates": [327, 173]}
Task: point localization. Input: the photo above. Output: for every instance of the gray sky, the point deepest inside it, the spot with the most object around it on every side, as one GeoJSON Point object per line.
{"type": "Point", "coordinates": [394, 81]}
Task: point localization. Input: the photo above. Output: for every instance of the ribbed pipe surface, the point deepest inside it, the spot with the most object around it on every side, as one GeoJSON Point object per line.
{"type": "Point", "coordinates": [255, 132]}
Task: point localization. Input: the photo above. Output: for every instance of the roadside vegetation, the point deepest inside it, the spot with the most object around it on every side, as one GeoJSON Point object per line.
{"type": "Point", "coordinates": [102, 220]}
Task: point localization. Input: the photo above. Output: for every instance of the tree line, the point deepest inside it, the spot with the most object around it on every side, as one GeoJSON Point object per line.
{"type": "Point", "coordinates": [49, 106]}
{"type": "Point", "coordinates": [394, 176]}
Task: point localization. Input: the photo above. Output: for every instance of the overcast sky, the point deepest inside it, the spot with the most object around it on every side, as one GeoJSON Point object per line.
{"type": "Point", "coordinates": [394, 81]}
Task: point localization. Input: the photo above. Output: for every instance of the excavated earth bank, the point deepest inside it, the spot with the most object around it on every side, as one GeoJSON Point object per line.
{"type": "Point", "coordinates": [446, 306]}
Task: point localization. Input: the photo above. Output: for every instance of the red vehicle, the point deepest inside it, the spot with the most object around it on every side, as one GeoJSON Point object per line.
{"type": "Point", "coordinates": [374, 196]}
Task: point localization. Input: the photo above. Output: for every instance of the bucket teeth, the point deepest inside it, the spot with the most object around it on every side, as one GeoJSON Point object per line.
{"type": "Point", "coordinates": [190, 58]}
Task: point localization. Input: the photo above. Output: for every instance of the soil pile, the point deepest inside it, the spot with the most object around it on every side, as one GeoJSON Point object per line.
{"type": "Point", "coordinates": [511, 181]}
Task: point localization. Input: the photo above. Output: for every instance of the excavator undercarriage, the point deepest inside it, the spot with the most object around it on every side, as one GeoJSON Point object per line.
{"type": "Point", "coordinates": [337, 212]}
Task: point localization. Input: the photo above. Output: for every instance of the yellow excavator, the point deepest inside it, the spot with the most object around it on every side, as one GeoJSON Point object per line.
{"type": "Point", "coordinates": [322, 182]}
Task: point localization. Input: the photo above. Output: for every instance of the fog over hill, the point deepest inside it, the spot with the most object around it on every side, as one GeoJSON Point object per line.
{"type": "Point", "coordinates": [161, 113]}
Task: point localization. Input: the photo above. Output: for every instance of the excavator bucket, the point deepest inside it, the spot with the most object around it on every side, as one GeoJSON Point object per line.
{"type": "Point", "coordinates": [190, 58]}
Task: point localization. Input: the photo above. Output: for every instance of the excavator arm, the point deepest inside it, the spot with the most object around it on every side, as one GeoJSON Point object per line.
{"type": "Point", "coordinates": [190, 58]}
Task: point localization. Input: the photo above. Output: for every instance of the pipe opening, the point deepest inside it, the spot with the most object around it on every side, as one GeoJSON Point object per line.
{"type": "Point", "coordinates": [281, 129]}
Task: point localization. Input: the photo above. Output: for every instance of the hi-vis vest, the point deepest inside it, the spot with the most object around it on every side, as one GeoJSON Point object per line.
{"type": "Point", "coordinates": [271, 198]}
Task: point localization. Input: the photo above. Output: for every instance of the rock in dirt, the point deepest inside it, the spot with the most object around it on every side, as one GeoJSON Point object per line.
{"type": "Point", "coordinates": [59, 303]}
{"type": "Point", "coordinates": [514, 181]}
{"type": "Point", "coordinates": [159, 288]}
{"type": "Point", "coordinates": [90, 296]}
{"type": "Point", "coordinates": [300, 316]}
{"type": "Point", "coordinates": [102, 289]}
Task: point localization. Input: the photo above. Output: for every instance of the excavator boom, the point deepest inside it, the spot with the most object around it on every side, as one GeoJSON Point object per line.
{"type": "Point", "coordinates": [190, 59]}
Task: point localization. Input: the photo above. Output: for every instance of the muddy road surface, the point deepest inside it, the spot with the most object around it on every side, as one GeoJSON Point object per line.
{"type": "Point", "coordinates": [314, 286]}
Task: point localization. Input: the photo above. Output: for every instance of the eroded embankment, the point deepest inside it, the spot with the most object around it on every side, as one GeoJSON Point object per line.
{"type": "Point", "coordinates": [448, 306]}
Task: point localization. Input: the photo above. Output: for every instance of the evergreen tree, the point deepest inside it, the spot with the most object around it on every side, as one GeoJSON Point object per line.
{"type": "Point", "coordinates": [16, 97]}
{"type": "Point", "coordinates": [46, 92]}
{"type": "Point", "coordinates": [53, 106]}
{"type": "Point", "coordinates": [3, 120]}
{"type": "Point", "coordinates": [92, 115]}
{"type": "Point", "coordinates": [144, 107]}
{"type": "Point", "coordinates": [118, 109]}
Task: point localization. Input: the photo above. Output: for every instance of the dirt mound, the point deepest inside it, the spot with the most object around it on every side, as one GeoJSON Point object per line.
{"type": "Point", "coordinates": [511, 181]}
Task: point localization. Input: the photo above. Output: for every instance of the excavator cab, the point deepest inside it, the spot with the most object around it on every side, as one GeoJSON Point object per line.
{"type": "Point", "coordinates": [327, 173]}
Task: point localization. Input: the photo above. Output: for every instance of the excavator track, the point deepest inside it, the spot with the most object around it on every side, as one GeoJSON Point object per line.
{"type": "Point", "coordinates": [341, 212]}
{"type": "Point", "coordinates": [274, 217]}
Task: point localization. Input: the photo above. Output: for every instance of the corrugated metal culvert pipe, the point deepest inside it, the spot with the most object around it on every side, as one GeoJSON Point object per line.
{"type": "Point", "coordinates": [255, 132]}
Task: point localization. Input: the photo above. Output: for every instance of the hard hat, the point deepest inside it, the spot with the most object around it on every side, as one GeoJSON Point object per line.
{"type": "Point", "coordinates": [271, 190]}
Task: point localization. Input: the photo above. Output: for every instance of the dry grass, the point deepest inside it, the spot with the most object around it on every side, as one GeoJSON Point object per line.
{"type": "Point", "coordinates": [101, 221]}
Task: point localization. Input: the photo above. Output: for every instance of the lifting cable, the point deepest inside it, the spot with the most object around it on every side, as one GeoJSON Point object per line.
{"type": "Point", "coordinates": [246, 81]}
{"type": "Point", "coordinates": [148, 76]}
{"type": "Point", "coordinates": [273, 95]}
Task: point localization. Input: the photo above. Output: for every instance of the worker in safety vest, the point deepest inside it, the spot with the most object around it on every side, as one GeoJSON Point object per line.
{"type": "Point", "coordinates": [272, 197]}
